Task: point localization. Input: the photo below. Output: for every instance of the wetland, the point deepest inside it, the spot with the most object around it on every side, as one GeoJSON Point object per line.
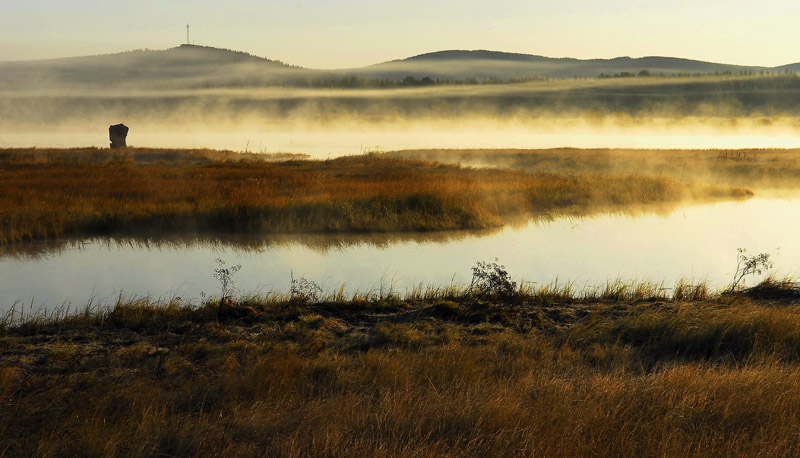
{"type": "Point", "coordinates": [512, 302]}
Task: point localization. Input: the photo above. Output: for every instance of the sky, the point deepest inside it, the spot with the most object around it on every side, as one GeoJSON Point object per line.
{"type": "Point", "coordinates": [354, 33]}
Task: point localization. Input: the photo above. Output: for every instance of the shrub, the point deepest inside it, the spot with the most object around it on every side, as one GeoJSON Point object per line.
{"type": "Point", "coordinates": [491, 280]}
{"type": "Point", "coordinates": [749, 265]}
{"type": "Point", "coordinates": [303, 291]}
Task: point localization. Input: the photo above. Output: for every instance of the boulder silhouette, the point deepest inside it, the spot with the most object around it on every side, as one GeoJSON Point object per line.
{"type": "Point", "coordinates": [117, 134]}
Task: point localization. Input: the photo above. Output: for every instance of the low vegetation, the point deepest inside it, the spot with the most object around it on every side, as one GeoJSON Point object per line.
{"type": "Point", "coordinates": [80, 192]}
{"type": "Point", "coordinates": [498, 369]}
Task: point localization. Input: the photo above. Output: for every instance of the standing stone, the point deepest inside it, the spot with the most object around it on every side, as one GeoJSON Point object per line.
{"type": "Point", "coordinates": [117, 134]}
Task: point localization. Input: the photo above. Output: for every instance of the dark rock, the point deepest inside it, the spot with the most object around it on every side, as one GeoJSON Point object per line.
{"type": "Point", "coordinates": [117, 134]}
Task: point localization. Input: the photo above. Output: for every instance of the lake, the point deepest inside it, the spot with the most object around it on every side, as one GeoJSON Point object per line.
{"type": "Point", "coordinates": [323, 143]}
{"type": "Point", "coordinates": [695, 242]}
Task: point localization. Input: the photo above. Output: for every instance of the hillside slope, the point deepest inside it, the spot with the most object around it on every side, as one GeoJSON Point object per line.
{"type": "Point", "coordinates": [191, 67]}
{"type": "Point", "coordinates": [458, 64]}
{"type": "Point", "coordinates": [183, 66]}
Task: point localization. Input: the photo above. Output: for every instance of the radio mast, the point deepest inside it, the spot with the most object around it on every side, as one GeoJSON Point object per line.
{"type": "Point", "coordinates": [187, 34]}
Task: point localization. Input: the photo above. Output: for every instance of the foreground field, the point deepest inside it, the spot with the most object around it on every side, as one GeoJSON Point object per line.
{"type": "Point", "coordinates": [619, 371]}
{"type": "Point", "coordinates": [80, 192]}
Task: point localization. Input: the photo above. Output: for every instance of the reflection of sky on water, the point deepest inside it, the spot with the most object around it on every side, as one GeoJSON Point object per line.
{"type": "Point", "coordinates": [698, 242]}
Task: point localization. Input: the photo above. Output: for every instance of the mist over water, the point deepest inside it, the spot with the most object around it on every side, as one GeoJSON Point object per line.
{"type": "Point", "coordinates": [708, 112]}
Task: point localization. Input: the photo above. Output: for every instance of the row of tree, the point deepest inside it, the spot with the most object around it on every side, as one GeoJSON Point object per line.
{"type": "Point", "coordinates": [646, 73]}
{"type": "Point", "coordinates": [352, 81]}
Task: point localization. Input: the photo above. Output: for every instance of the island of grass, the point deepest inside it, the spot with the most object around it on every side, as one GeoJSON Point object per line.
{"type": "Point", "coordinates": [88, 192]}
{"type": "Point", "coordinates": [623, 370]}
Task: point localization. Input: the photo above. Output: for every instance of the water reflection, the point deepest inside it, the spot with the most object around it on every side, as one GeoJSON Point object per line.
{"type": "Point", "coordinates": [319, 242]}
{"type": "Point", "coordinates": [253, 243]}
{"type": "Point", "coordinates": [697, 242]}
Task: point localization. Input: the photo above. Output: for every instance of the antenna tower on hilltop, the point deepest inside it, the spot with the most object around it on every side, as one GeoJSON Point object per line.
{"type": "Point", "coordinates": [187, 34]}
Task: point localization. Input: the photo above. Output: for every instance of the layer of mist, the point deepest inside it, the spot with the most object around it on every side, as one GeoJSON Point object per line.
{"type": "Point", "coordinates": [768, 172]}
{"type": "Point", "coordinates": [766, 99]}
{"type": "Point", "coordinates": [703, 112]}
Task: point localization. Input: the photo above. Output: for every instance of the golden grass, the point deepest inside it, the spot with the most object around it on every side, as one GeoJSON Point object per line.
{"type": "Point", "coordinates": [552, 374]}
{"type": "Point", "coordinates": [84, 192]}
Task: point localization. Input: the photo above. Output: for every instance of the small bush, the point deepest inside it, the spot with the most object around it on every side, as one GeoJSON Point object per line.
{"type": "Point", "coordinates": [749, 265]}
{"type": "Point", "coordinates": [491, 280]}
{"type": "Point", "coordinates": [303, 291]}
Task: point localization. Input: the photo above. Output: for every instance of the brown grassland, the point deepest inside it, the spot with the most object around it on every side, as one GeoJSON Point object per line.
{"type": "Point", "coordinates": [623, 371]}
{"type": "Point", "coordinates": [78, 192]}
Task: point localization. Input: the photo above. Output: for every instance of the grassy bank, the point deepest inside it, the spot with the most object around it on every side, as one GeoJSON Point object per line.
{"type": "Point", "coordinates": [757, 169]}
{"type": "Point", "coordinates": [623, 370]}
{"type": "Point", "coordinates": [80, 192]}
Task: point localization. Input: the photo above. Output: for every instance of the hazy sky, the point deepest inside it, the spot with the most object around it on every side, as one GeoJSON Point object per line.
{"type": "Point", "coordinates": [350, 33]}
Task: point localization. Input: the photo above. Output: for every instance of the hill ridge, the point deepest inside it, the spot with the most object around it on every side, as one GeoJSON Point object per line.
{"type": "Point", "coordinates": [191, 65]}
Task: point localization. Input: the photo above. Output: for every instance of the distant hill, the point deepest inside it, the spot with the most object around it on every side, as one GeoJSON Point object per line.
{"type": "Point", "coordinates": [795, 68]}
{"type": "Point", "coordinates": [183, 66]}
{"type": "Point", "coordinates": [459, 64]}
{"type": "Point", "coordinates": [191, 66]}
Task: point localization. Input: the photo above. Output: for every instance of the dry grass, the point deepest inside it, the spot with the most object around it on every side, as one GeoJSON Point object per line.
{"type": "Point", "coordinates": [93, 192]}
{"type": "Point", "coordinates": [550, 374]}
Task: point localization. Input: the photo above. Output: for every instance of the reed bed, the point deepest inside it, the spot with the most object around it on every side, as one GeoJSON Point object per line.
{"type": "Point", "coordinates": [620, 370]}
{"type": "Point", "coordinates": [82, 192]}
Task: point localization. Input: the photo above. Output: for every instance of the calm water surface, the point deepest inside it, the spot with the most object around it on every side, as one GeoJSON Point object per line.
{"type": "Point", "coordinates": [326, 143]}
{"type": "Point", "coordinates": [695, 242]}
